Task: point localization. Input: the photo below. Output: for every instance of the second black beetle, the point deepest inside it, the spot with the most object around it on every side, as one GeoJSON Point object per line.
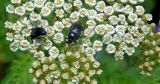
{"type": "Point", "coordinates": [75, 32]}
{"type": "Point", "coordinates": [37, 32]}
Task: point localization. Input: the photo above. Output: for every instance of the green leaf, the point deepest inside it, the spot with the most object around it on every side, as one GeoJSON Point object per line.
{"type": "Point", "coordinates": [18, 71]}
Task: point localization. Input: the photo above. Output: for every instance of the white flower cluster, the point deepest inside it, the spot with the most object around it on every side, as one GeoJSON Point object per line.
{"type": "Point", "coordinates": [65, 15]}
{"type": "Point", "coordinates": [72, 68]}
{"type": "Point", "coordinates": [120, 27]}
{"type": "Point", "coordinates": [126, 27]}
{"type": "Point", "coordinates": [56, 18]}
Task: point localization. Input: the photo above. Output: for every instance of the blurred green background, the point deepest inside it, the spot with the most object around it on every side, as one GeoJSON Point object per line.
{"type": "Point", "coordinates": [14, 66]}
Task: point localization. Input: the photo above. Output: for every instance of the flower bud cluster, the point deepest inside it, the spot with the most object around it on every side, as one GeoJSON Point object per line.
{"type": "Point", "coordinates": [69, 68]}
{"type": "Point", "coordinates": [151, 47]}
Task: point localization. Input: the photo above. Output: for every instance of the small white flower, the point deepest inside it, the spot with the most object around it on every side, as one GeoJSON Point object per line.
{"type": "Point", "coordinates": [135, 42]}
{"type": "Point", "coordinates": [96, 64]}
{"type": "Point", "coordinates": [122, 17]}
{"type": "Point", "coordinates": [119, 55]}
{"type": "Point", "coordinates": [45, 11]}
{"type": "Point", "coordinates": [36, 64]}
{"type": "Point", "coordinates": [34, 16]}
{"type": "Point", "coordinates": [39, 54]}
{"type": "Point", "coordinates": [100, 29]}
{"type": "Point", "coordinates": [132, 17]}
{"type": "Point", "coordinates": [50, 30]}
{"type": "Point", "coordinates": [113, 20]}
{"type": "Point", "coordinates": [134, 30]}
{"type": "Point", "coordinates": [58, 38]}
{"type": "Point", "coordinates": [16, 1]}
{"type": "Point", "coordinates": [100, 6]}
{"type": "Point", "coordinates": [18, 38]}
{"type": "Point", "coordinates": [9, 36]}
{"type": "Point", "coordinates": [125, 23]}
{"type": "Point", "coordinates": [26, 32]}
{"type": "Point", "coordinates": [74, 16]}
{"type": "Point", "coordinates": [65, 76]}
{"type": "Point", "coordinates": [9, 25]}
{"type": "Point", "coordinates": [140, 36]}
{"type": "Point", "coordinates": [29, 6]}
{"type": "Point", "coordinates": [110, 29]}
{"type": "Point", "coordinates": [91, 2]}
{"type": "Point", "coordinates": [145, 29]}
{"type": "Point", "coordinates": [21, 22]}
{"type": "Point", "coordinates": [20, 10]}
{"type": "Point", "coordinates": [59, 13]}
{"type": "Point", "coordinates": [91, 24]}
{"type": "Point", "coordinates": [97, 45]}
{"type": "Point", "coordinates": [122, 46]}
{"type": "Point", "coordinates": [91, 73]}
{"type": "Point", "coordinates": [86, 42]}
{"type": "Point", "coordinates": [49, 5]}
{"type": "Point", "coordinates": [10, 8]}
{"type": "Point", "coordinates": [118, 7]}
{"type": "Point", "coordinates": [130, 50]}
{"type": "Point", "coordinates": [54, 52]}
{"type": "Point", "coordinates": [139, 23]}
{"type": "Point", "coordinates": [17, 28]}
{"type": "Point", "coordinates": [90, 51]}
{"type": "Point", "coordinates": [111, 48]}
{"type": "Point", "coordinates": [29, 24]}
{"type": "Point", "coordinates": [139, 10]}
{"type": "Point", "coordinates": [88, 32]}
{"type": "Point", "coordinates": [77, 3]}
{"type": "Point", "coordinates": [128, 9]}
{"type": "Point", "coordinates": [43, 23]}
{"type": "Point", "coordinates": [58, 26]}
{"type": "Point", "coordinates": [59, 3]}
{"type": "Point", "coordinates": [120, 29]}
{"type": "Point", "coordinates": [67, 7]}
{"type": "Point", "coordinates": [128, 38]}
{"type": "Point", "coordinates": [91, 14]}
{"type": "Point", "coordinates": [108, 10]}
{"type": "Point", "coordinates": [66, 22]}
{"type": "Point", "coordinates": [107, 39]}
{"type": "Point", "coordinates": [14, 46]}
{"type": "Point", "coordinates": [117, 38]}
{"type": "Point", "coordinates": [133, 1]}
{"type": "Point", "coordinates": [148, 17]}
{"type": "Point", "coordinates": [34, 47]}
{"type": "Point", "coordinates": [38, 73]}
{"type": "Point", "coordinates": [24, 45]}
{"type": "Point", "coordinates": [83, 12]}
{"type": "Point", "coordinates": [39, 3]}
{"type": "Point", "coordinates": [100, 17]}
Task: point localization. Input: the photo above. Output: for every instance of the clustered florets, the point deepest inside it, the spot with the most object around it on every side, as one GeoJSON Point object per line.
{"type": "Point", "coordinates": [64, 69]}
{"type": "Point", "coordinates": [118, 27]}
{"type": "Point", "coordinates": [151, 49]}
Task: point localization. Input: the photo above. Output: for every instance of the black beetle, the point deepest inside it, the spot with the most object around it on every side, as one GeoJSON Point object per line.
{"type": "Point", "coordinates": [75, 32]}
{"type": "Point", "coordinates": [37, 32]}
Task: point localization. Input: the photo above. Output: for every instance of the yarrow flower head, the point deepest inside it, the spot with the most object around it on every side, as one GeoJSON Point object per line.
{"type": "Point", "coordinates": [67, 68]}
{"type": "Point", "coordinates": [49, 28]}
{"type": "Point", "coordinates": [119, 27]}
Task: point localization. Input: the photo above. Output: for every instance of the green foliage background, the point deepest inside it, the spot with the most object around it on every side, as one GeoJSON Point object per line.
{"type": "Point", "coordinates": [14, 66]}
